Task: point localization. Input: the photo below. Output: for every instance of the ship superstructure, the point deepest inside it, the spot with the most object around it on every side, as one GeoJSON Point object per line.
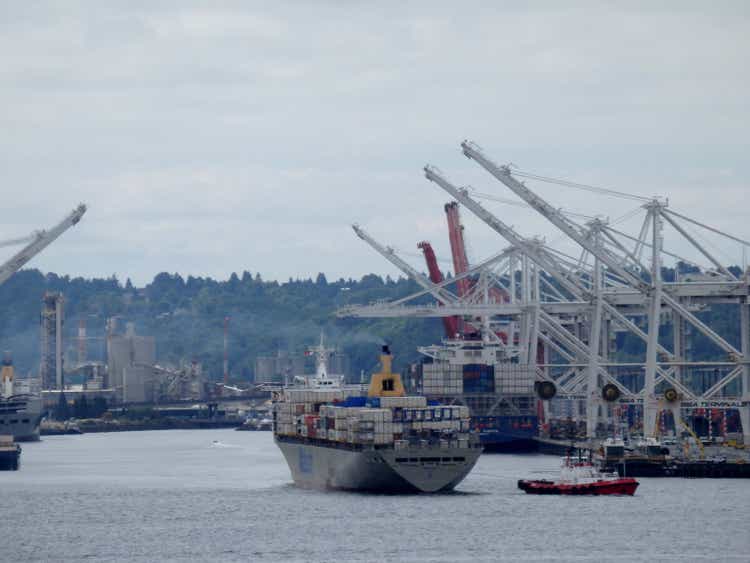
{"type": "Point", "coordinates": [373, 438]}
{"type": "Point", "coordinates": [498, 391]}
{"type": "Point", "coordinates": [20, 409]}
{"type": "Point", "coordinates": [581, 477]}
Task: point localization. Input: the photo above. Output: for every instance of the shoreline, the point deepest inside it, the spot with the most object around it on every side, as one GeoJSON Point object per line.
{"type": "Point", "coordinates": [101, 426]}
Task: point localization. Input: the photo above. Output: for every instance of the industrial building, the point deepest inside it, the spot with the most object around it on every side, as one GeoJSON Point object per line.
{"type": "Point", "coordinates": [280, 368]}
{"type": "Point", "coordinates": [127, 373]}
{"type": "Point", "coordinates": [51, 367]}
{"type": "Point", "coordinates": [130, 361]}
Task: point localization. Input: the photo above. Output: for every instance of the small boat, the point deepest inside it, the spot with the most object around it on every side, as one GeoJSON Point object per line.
{"type": "Point", "coordinates": [581, 477]}
{"type": "Point", "coordinates": [10, 454]}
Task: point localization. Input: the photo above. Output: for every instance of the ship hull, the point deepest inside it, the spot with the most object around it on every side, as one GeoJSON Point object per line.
{"type": "Point", "coordinates": [506, 434]}
{"type": "Point", "coordinates": [321, 465]}
{"type": "Point", "coordinates": [20, 417]}
{"type": "Point", "coordinates": [10, 458]}
{"type": "Point", "coordinates": [613, 487]}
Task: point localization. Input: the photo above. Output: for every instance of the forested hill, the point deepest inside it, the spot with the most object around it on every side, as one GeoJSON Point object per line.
{"type": "Point", "coordinates": [186, 317]}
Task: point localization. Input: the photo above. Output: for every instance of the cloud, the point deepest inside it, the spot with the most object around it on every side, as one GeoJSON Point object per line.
{"type": "Point", "coordinates": [214, 138]}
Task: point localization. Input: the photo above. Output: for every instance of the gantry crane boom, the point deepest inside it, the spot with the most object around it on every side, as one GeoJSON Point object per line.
{"type": "Point", "coordinates": [530, 248]}
{"type": "Point", "coordinates": [41, 240]}
{"type": "Point", "coordinates": [17, 241]}
{"type": "Point", "coordinates": [536, 252]}
{"type": "Point", "coordinates": [554, 216]}
{"type": "Point", "coordinates": [441, 294]}
{"type": "Point", "coordinates": [577, 233]}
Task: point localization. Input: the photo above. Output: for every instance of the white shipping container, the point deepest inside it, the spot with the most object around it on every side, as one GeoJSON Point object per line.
{"type": "Point", "coordinates": [403, 402]}
{"type": "Point", "coordinates": [381, 438]}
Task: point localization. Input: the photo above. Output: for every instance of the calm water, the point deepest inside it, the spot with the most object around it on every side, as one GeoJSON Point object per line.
{"type": "Point", "coordinates": [177, 496]}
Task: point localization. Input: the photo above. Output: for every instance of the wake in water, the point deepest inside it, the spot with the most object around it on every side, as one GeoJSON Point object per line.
{"type": "Point", "coordinates": [219, 444]}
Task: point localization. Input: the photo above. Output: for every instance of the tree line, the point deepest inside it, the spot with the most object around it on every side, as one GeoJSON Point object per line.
{"type": "Point", "coordinates": [186, 317]}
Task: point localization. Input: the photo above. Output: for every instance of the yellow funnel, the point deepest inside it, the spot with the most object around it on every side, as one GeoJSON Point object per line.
{"type": "Point", "coordinates": [386, 383]}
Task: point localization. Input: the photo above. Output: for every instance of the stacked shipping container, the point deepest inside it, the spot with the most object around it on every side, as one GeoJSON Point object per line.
{"type": "Point", "coordinates": [441, 379]}
{"type": "Point", "coordinates": [514, 379]}
{"type": "Point", "coordinates": [377, 421]}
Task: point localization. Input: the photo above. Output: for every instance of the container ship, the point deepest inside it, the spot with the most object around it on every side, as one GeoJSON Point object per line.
{"type": "Point", "coordinates": [20, 410]}
{"type": "Point", "coordinates": [498, 391]}
{"type": "Point", "coordinates": [372, 438]}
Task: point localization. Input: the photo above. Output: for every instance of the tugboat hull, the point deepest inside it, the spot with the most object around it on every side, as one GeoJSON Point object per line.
{"type": "Point", "coordinates": [10, 454]}
{"type": "Point", "coordinates": [614, 487]}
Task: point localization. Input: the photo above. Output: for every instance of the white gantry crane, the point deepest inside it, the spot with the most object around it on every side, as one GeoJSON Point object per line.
{"type": "Point", "coordinates": [37, 242]}
{"type": "Point", "coordinates": [582, 285]}
{"type": "Point", "coordinates": [574, 307]}
{"type": "Point", "coordinates": [658, 296]}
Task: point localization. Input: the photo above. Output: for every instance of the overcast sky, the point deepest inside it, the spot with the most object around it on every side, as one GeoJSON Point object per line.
{"type": "Point", "coordinates": [215, 137]}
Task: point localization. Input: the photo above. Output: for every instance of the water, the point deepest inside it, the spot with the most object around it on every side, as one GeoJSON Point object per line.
{"type": "Point", "coordinates": [179, 496]}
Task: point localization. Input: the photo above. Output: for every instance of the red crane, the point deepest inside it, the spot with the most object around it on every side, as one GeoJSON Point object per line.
{"type": "Point", "coordinates": [461, 261]}
{"type": "Point", "coordinates": [458, 248]}
{"type": "Point", "coordinates": [450, 324]}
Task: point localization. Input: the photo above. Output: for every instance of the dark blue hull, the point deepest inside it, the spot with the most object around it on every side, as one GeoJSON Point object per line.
{"type": "Point", "coordinates": [506, 433]}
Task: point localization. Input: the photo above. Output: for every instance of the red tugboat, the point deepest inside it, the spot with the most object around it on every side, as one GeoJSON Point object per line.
{"type": "Point", "coordinates": [581, 478]}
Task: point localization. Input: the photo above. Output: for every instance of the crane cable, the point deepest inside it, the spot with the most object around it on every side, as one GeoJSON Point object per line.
{"type": "Point", "coordinates": [576, 185]}
{"type": "Point", "coordinates": [629, 215]}
{"type": "Point", "coordinates": [701, 238]}
{"type": "Point", "coordinates": [707, 227]}
{"type": "Point", "coordinates": [16, 241]}
{"type": "Point", "coordinates": [648, 245]}
{"type": "Point", "coordinates": [482, 195]}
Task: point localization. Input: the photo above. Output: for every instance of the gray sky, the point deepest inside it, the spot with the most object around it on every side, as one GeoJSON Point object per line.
{"type": "Point", "coordinates": [215, 137]}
